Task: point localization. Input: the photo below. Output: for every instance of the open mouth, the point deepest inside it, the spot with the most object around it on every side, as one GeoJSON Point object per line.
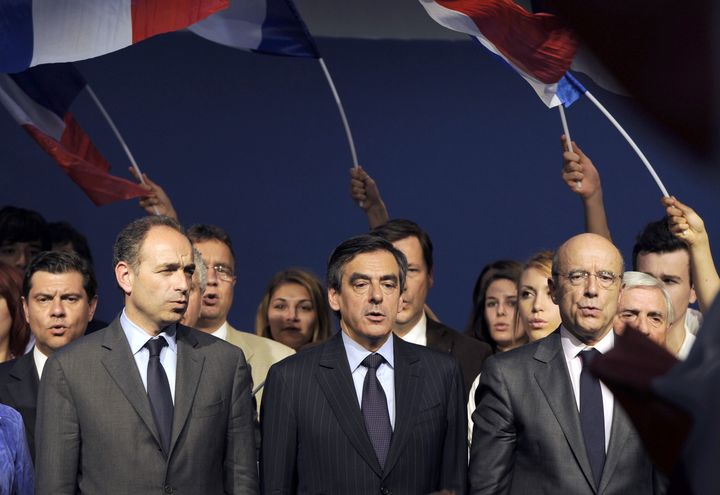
{"type": "Point", "coordinates": [58, 330]}
{"type": "Point", "coordinates": [375, 316]}
{"type": "Point", "coordinates": [210, 299]}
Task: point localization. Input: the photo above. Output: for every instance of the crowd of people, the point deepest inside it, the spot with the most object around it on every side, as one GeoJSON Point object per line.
{"type": "Point", "coordinates": [170, 396]}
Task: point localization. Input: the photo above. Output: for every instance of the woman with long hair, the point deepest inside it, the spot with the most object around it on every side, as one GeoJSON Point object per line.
{"type": "Point", "coordinates": [14, 330]}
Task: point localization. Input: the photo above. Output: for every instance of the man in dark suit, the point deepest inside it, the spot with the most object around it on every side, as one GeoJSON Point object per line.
{"type": "Point", "coordinates": [543, 423]}
{"type": "Point", "coordinates": [147, 405]}
{"type": "Point", "coordinates": [413, 324]}
{"type": "Point", "coordinates": [364, 412]}
{"type": "Point", "coordinates": [59, 299]}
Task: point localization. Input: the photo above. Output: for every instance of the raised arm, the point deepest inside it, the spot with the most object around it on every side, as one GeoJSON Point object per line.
{"type": "Point", "coordinates": [687, 225]}
{"type": "Point", "coordinates": [156, 201]}
{"type": "Point", "coordinates": [583, 179]}
{"type": "Point", "coordinates": [364, 191]}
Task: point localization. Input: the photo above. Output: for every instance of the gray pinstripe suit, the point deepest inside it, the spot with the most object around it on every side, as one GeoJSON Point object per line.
{"type": "Point", "coordinates": [314, 437]}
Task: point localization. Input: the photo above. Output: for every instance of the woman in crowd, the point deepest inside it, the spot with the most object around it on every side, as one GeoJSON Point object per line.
{"type": "Point", "coordinates": [294, 310]}
{"type": "Point", "coordinates": [14, 331]}
{"type": "Point", "coordinates": [492, 319]}
{"type": "Point", "coordinates": [538, 315]}
{"type": "Point", "coordinates": [16, 470]}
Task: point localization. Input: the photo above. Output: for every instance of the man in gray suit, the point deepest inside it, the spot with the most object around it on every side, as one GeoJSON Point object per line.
{"type": "Point", "coordinates": [543, 423]}
{"type": "Point", "coordinates": [147, 405]}
{"type": "Point", "coordinates": [364, 412]}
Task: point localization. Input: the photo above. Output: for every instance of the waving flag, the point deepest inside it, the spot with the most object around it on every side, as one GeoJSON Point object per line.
{"type": "Point", "coordinates": [34, 32]}
{"type": "Point", "coordinates": [39, 100]}
{"type": "Point", "coordinates": [266, 26]}
{"type": "Point", "coordinates": [538, 46]}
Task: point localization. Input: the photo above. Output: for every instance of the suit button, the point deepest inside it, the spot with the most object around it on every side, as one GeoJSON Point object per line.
{"type": "Point", "coordinates": [168, 489]}
{"type": "Point", "coordinates": [384, 491]}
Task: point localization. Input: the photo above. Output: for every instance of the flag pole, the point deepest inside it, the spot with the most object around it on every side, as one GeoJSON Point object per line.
{"type": "Point", "coordinates": [568, 140]}
{"type": "Point", "coordinates": [119, 138]}
{"type": "Point", "coordinates": [339, 104]}
{"type": "Point", "coordinates": [630, 142]}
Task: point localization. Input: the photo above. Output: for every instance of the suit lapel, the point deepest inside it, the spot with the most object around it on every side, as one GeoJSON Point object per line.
{"type": "Point", "coordinates": [24, 390]}
{"type": "Point", "coordinates": [553, 379]}
{"type": "Point", "coordinates": [189, 368]}
{"type": "Point", "coordinates": [437, 337]}
{"type": "Point", "coordinates": [407, 399]}
{"type": "Point", "coordinates": [333, 376]}
{"type": "Point", "coordinates": [619, 433]}
{"type": "Point", "coordinates": [120, 365]}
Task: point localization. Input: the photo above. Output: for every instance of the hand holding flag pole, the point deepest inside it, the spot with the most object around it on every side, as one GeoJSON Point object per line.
{"type": "Point", "coordinates": [119, 138]}
{"type": "Point", "coordinates": [568, 139]}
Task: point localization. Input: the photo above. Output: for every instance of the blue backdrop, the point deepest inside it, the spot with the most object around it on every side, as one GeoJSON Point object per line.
{"type": "Point", "coordinates": [253, 143]}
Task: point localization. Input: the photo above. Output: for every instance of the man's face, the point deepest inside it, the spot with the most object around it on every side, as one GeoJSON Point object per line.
{"type": "Point", "coordinates": [587, 309]}
{"type": "Point", "coordinates": [19, 254]}
{"type": "Point", "coordinates": [57, 309]}
{"type": "Point", "coordinates": [369, 299]}
{"type": "Point", "coordinates": [418, 281]}
{"type": "Point", "coordinates": [156, 295]}
{"type": "Point", "coordinates": [645, 309]}
{"type": "Point", "coordinates": [218, 297]}
{"type": "Point", "coordinates": [673, 269]}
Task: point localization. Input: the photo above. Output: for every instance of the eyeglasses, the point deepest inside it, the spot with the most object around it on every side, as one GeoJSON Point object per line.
{"type": "Point", "coordinates": [223, 272]}
{"type": "Point", "coordinates": [577, 278]}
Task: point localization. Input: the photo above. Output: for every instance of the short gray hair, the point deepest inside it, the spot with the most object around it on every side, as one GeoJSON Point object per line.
{"type": "Point", "coordinates": [200, 269]}
{"type": "Point", "coordinates": [632, 280]}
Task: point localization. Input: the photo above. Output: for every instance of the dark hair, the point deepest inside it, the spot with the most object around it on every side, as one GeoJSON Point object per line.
{"type": "Point", "coordinates": [130, 239]}
{"type": "Point", "coordinates": [64, 233]}
{"type": "Point", "coordinates": [347, 250]}
{"type": "Point", "coordinates": [61, 262]}
{"type": "Point", "coordinates": [11, 290]}
{"type": "Point", "coordinates": [21, 225]}
{"type": "Point", "coordinates": [321, 327]}
{"type": "Point", "coordinates": [396, 230]}
{"type": "Point", "coordinates": [497, 270]}
{"type": "Point", "coordinates": [203, 232]}
{"type": "Point", "coordinates": [657, 238]}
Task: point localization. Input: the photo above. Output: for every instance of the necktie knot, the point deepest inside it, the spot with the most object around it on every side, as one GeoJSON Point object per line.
{"type": "Point", "coordinates": [155, 346]}
{"type": "Point", "coordinates": [373, 361]}
{"type": "Point", "coordinates": [588, 355]}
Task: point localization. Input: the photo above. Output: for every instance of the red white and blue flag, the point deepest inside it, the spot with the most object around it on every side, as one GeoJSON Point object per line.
{"type": "Point", "coordinates": [265, 26]}
{"type": "Point", "coordinates": [39, 100]}
{"type": "Point", "coordinates": [538, 46]}
{"type": "Point", "coordinates": [34, 32]}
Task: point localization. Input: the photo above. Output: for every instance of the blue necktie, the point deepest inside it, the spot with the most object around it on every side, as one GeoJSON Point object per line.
{"type": "Point", "coordinates": [375, 409]}
{"type": "Point", "coordinates": [592, 418]}
{"type": "Point", "coordinates": [158, 390]}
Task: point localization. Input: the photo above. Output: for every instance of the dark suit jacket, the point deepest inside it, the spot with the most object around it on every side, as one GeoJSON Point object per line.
{"type": "Point", "coordinates": [18, 389]}
{"type": "Point", "coordinates": [314, 436]}
{"type": "Point", "coordinates": [527, 436]}
{"type": "Point", "coordinates": [471, 353]}
{"type": "Point", "coordinates": [96, 433]}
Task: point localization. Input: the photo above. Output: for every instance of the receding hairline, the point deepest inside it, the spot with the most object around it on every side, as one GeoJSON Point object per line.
{"type": "Point", "coordinates": [587, 237]}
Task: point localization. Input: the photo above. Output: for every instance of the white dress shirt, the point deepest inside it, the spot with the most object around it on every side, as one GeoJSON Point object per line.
{"type": "Point", "coordinates": [221, 332]}
{"type": "Point", "coordinates": [385, 372]}
{"type": "Point", "coordinates": [137, 338]}
{"type": "Point", "coordinates": [418, 334]}
{"type": "Point", "coordinates": [686, 345]}
{"type": "Point", "coordinates": [40, 360]}
{"type": "Point", "coordinates": [572, 348]}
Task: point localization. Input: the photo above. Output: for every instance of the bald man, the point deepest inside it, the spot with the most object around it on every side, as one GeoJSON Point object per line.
{"type": "Point", "coordinates": [542, 424]}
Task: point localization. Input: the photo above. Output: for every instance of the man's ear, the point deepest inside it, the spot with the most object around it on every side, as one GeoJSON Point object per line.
{"type": "Point", "coordinates": [553, 288]}
{"type": "Point", "coordinates": [124, 276]}
{"type": "Point", "coordinates": [693, 295]}
{"type": "Point", "coordinates": [26, 309]}
{"type": "Point", "coordinates": [333, 299]}
{"type": "Point", "coordinates": [93, 307]}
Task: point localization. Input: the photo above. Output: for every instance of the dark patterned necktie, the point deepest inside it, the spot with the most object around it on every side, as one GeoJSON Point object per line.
{"type": "Point", "coordinates": [158, 390]}
{"type": "Point", "coordinates": [375, 409]}
{"type": "Point", "coordinates": [592, 418]}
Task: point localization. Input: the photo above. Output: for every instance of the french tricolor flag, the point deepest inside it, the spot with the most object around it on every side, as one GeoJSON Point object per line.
{"type": "Point", "coordinates": [265, 26]}
{"type": "Point", "coordinates": [39, 100]}
{"type": "Point", "coordinates": [34, 32]}
{"type": "Point", "coordinates": [538, 46]}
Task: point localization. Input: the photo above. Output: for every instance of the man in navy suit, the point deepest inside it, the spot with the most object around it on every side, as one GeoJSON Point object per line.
{"type": "Point", "coordinates": [364, 412]}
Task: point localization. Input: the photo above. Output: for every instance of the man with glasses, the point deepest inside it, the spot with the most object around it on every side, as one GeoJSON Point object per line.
{"type": "Point", "coordinates": [544, 424]}
{"type": "Point", "coordinates": [215, 247]}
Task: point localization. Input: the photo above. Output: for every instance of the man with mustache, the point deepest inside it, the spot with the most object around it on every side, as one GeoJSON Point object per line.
{"type": "Point", "coordinates": [147, 405]}
{"type": "Point", "coordinates": [59, 299]}
{"type": "Point", "coordinates": [364, 412]}
{"type": "Point", "coordinates": [543, 423]}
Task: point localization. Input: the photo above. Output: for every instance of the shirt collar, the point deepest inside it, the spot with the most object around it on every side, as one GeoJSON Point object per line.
{"type": "Point", "coordinates": [137, 337]}
{"type": "Point", "coordinates": [418, 333]}
{"type": "Point", "coordinates": [356, 353]}
{"type": "Point", "coordinates": [572, 345]}
{"type": "Point", "coordinates": [222, 331]}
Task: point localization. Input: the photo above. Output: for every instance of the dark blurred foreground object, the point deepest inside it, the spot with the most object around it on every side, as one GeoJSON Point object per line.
{"type": "Point", "coordinates": [664, 53]}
